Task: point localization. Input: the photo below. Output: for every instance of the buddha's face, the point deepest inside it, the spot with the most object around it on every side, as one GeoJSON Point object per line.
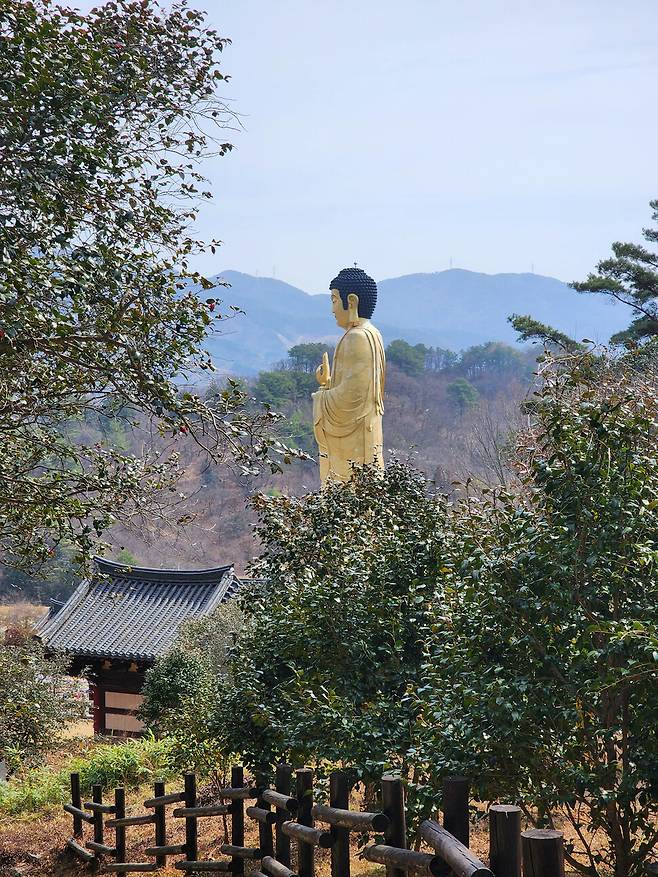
{"type": "Point", "coordinates": [341, 314]}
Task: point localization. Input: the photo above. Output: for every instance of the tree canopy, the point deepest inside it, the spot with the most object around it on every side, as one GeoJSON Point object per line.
{"type": "Point", "coordinates": [511, 637]}
{"type": "Point", "coordinates": [629, 276]}
{"type": "Point", "coordinates": [410, 358]}
{"type": "Point", "coordinates": [104, 119]}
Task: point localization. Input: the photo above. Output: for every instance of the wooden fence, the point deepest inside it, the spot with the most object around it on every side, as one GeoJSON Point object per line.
{"type": "Point", "coordinates": [285, 816]}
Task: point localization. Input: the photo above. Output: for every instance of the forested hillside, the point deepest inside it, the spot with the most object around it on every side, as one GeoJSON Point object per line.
{"type": "Point", "coordinates": [454, 308]}
{"type": "Point", "coordinates": [450, 412]}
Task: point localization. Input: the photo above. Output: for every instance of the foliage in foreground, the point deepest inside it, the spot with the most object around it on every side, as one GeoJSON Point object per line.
{"type": "Point", "coordinates": [36, 702]}
{"type": "Point", "coordinates": [333, 639]}
{"type": "Point", "coordinates": [104, 119]}
{"type": "Point", "coordinates": [540, 677]}
{"type": "Point", "coordinates": [128, 764]}
{"type": "Point", "coordinates": [511, 637]}
{"type": "Point", "coordinates": [180, 691]}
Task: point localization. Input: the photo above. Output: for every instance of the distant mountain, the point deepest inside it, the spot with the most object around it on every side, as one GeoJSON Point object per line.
{"type": "Point", "coordinates": [454, 309]}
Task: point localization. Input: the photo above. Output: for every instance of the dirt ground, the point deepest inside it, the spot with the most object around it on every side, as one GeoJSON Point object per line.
{"type": "Point", "coordinates": [36, 846]}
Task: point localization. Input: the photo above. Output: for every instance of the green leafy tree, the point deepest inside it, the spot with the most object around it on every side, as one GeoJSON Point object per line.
{"type": "Point", "coordinates": [348, 575]}
{"type": "Point", "coordinates": [540, 677]}
{"type": "Point", "coordinates": [36, 702]}
{"type": "Point", "coordinates": [181, 690]}
{"type": "Point", "coordinates": [104, 119]}
{"type": "Point", "coordinates": [631, 277]}
{"type": "Point", "coordinates": [308, 356]}
{"type": "Point", "coordinates": [493, 357]}
{"type": "Point", "coordinates": [440, 359]}
{"type": "Point", "coordinates": [530, 329]}
{"type": "Point", "coordinates": [462, 394]}
{"type": "Point", "coordinates": [280, 389]}
{"type": "Point", "coordinates": [411, 359]}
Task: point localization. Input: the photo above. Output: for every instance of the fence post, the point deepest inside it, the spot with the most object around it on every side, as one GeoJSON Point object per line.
{"type": "Point", "coordinates": [543, 853]}
{"type": "Point", "coordinates": [191, 846]}
{"type": "Point", "coordinates": [455, 807]}
{"type": "Point", "coordinates": [282, 784]}
{"type": "Point", "coordinates": [76, 801]}
{"type": "Point", "coordinates": [304, 794]}
{"type": "Point", "coordinates": [505, 840]}
{"type": "Point", "coordinates": [160, 820]}
{"type": "Point", "coordinates": [265, 841]}
{"type": "Point", "coordinates": [393, 806]}
{"type": "Point", "coordinates": [97, 798]}
{"type": "Point", "coordinates": [120, 830]}
{"type": "Point", "coordinates": [339, 796]}
{"type": "Point", "coordinates": [237, 819]}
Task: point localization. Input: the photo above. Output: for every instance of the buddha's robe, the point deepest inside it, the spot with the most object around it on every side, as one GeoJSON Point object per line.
{"type": "Point", "coordinates": [347, 415]}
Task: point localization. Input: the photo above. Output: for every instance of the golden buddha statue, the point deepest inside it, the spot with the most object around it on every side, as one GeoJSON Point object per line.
{"type": "Point", "coordinates": [348, 407]}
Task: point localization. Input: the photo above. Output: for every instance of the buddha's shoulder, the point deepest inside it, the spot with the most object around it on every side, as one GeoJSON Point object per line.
{"type": "Point", "coordinates": [363, 333]}
{"type": "Point", "coordinates": [356, 338]}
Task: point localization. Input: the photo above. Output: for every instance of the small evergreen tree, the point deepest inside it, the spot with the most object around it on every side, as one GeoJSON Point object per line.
{"type": "Point", "coordinates": [631, 277]}
{"type": "Point", "coordinates": [462, 394]}
{"type": "Point", "coordinates": [409, 358]}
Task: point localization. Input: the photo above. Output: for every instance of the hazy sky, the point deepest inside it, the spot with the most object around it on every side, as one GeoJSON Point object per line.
{"type": "Point", "coordinates": [502, 135]}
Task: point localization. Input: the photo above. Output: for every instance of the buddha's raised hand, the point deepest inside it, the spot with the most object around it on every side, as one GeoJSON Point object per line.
{"type": "Point", "coordinates": [323, 371]}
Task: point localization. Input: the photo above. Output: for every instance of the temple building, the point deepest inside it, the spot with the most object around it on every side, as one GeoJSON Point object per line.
{"type": "Point", "coordinates": [119, 621]}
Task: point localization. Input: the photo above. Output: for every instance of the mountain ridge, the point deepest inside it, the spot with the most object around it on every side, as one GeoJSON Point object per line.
{"type": "Point", "coordinates": [455, 308]}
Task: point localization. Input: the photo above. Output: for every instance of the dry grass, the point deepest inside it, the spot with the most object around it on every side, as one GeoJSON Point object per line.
{"type": "Point", "coordinates": [36, 845]}
{"type": "Point", "coordinates": [21, 615]}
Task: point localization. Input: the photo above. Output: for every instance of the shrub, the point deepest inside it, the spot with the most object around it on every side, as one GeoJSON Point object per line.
{"type": "Point", "coordinates": [539, 678]}
{"type": "Point", "coordinates": [334, 638]}
{"type": "Point", "coordinates": [181, 690]}
{"type": "Point", "coordinates": [126, 764]}
{"type": "Point", "coordinates": [36, 702]}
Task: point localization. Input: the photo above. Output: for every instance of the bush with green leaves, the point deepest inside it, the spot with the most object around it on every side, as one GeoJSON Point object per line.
{"type": "Point", "coordinates": [333, 639]}
{"type": "Point", "coordinates": [128, 763]}
{"type": "Point", "coordinates": [37, 700]}
{"type": "Point", "coordinates": [540, 677]}
{"type": "Point", "coordinates": [181, 690]}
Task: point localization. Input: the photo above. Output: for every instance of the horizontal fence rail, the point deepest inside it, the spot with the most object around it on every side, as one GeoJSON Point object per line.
{"type": "Point", "coordinates": [287, 814]}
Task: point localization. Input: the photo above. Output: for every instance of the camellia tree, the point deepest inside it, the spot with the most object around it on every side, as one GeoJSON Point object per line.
{"type": "Point", "coordinates": [104, 119]}
{"type": "Point", "coordinates": [332, 639]}
{"type": "Point", "coordinates": [36, 701]}
{"type": "Point", "coordinates": [540, 678]}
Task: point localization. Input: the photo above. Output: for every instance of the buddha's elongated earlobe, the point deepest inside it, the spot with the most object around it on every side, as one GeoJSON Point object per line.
{"type": "Point", "coordinates": [353, 309]}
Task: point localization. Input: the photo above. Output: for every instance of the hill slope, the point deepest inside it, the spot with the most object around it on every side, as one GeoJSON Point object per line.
{"type": "Point", "coordinates": [453, 309]}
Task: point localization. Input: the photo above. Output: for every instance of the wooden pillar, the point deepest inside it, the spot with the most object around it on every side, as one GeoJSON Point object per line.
{"type": "Point", "coordinates": [339, 796]}
{"type": "Point", "coordinates": [282, 784]}
{"type": "Point", "coordinates": [120, 830]}
{"type": "Point", "coordinates": [76, 800]}
{"type": "Point", "coordinates": [97, 706]}
{"type": "Point", "coordinates": [97, 798]}
{"type": "Point", "coordinates": [191, 843]}
{"type": "Point", "coordinates": [455, 807]}
{"type": "Point", "coordinates": [505, 840]}
{"type": "Point", "coordinates": [266, 842]}
{"type": "Point", "coordinates": [160, 818]}
{"type": "Point", "coordinates": [304, 794]}
{"type": "Point", "coordinates": [393, 806]}
{"type": "Point", "coordinates": [237, 819]}
{"type": "Point", "coordinates": [543, 853]}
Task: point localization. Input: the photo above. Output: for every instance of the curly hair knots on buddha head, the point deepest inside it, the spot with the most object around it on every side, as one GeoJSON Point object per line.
{"type": "Point", "coordinates": [357, 281]}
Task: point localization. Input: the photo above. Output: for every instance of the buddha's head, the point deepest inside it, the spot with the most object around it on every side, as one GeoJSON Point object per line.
{"type": "Point", "coordinates": [353, 293]}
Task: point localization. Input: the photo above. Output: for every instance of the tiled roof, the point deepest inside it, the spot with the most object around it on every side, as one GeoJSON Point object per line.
{"type": "Point", "coordinates": [134, 613]}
